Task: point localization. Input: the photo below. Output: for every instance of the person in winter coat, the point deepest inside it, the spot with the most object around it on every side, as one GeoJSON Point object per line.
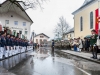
{"type": "Point", "coordinates": [75, 44]}
{"type": "Point", "coordinates": [80, 44]}
{"type": "Point", "coordinates": [93, 45]}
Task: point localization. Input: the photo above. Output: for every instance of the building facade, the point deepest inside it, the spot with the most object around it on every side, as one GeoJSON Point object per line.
{"type": "Point", "coordinates": [41, 39]}
{"type": "Point", "coordinates": [85, 18]}
{"type": "Point", "coordinates": [69, 34]}
{"type": "Point", "coordinates": [15, 18]}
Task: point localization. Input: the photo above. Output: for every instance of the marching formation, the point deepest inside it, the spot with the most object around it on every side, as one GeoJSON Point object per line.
{"type": "Point", "coordinates": [11, 45]}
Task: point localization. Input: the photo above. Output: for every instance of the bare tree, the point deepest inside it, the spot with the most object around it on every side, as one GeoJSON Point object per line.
{"type": "Point", "coordinates": [26, 4]}
{"type": "Point", "coordinates": [61, 28]}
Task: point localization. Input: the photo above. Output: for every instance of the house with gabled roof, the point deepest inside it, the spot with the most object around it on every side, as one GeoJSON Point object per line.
{"type": "Point", "coordinates": [41, 39]}
{"type": "Point", "coordinates": [14, 17]}
{"type": "Point", "coordinates": [69, 34]}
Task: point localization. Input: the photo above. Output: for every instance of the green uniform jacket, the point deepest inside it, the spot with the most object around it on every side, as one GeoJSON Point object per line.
{"type": "Point", "coordinates": [93, 40]}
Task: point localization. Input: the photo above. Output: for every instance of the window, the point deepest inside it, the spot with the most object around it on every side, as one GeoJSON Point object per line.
{"type": "Point", "coordinates": [41, 36]}
{"type": "Point", "coordinates": [81, 23]}
{"type": "Point", "coordinates": [16, 22]}
{"type": "Point", "coordinates": [6, 21]}
{"type": "Point", "coordinates": [26, 32]}
{"type": "Point", "coordinates": [91, 20]}
{"type": "Point", "coordinates": [20, 32]}
{"type": "Point", "coordinates": [37, 41]}
{"type": "Point", "coordinates": [70, 35]}
{"type": "Point", "coordinates": [14, 32]}
{"type": "Point", "coordinates": [24, 23]}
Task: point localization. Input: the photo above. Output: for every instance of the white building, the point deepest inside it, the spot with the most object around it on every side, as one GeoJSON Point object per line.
{"type": "Point", "coordinates": [41, 39]}
{"type": "Point", "coordinates": [15, 18]}
{"type": "Point", "coordinates": [69, 34]}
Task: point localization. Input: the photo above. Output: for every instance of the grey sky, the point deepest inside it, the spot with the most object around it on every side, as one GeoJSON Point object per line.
{"type": "Point", "coordinates": [46, 20]}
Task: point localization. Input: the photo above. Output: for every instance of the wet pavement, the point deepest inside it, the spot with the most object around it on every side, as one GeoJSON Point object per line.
{"type": "Point", "coordinates": [44, 62]}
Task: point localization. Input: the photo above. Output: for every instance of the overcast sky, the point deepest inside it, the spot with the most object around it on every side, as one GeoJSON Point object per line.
{"type": "Point", "coordinates": [46, 20]}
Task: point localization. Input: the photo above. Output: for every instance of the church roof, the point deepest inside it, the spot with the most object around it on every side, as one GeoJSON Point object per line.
{"type": "Point", "coordinates": [86, 2]}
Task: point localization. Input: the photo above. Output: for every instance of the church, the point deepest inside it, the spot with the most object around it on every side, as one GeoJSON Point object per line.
{"type": "Point", "coordinates": [86, 18]}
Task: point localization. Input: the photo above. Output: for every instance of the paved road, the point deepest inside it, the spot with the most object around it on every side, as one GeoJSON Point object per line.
{"type": "Point", "coordinates": [43, 62]}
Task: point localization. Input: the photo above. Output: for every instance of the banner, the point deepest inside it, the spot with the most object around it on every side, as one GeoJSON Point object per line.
{"type": "Point", "coordinates": [96, 20]}
{"type": "Point", "coordinates": [97, 25]}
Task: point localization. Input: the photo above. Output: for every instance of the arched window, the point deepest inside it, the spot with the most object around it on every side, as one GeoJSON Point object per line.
{"type": "Point", "coordinates": [81, 23]}
{"type": "Point", "coordinates": [91, 20]}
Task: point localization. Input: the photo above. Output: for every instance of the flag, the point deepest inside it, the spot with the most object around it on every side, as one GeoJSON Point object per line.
{"type": "Point", "coordinates": [97, 19]}
{"type": "Point", "coordinates": [0, 26]}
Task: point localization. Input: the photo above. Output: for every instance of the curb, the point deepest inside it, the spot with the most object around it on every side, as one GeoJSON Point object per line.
{"type": "Point", "coordinates": [65, 54]}
{"type": "Point", "coordinates": [5, 72]}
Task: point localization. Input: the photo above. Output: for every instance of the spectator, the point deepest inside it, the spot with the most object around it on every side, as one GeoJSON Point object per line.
{"type": "Point", "coordinates": [93, 41]}
{"type": "Point", "coordinates": [80, 44]}
{"type": "Point", "coordinates": [75, 43]}
{"type": "Point", "coordinates": [88, 44]}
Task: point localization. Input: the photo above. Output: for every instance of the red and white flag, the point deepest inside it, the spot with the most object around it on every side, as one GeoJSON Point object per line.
{"type": "Point", "coordinates": [97, 25]}
{"type": "Point", "coordinates": [0, 26]}
{"type": "Point", "coordinates": [97, 20]}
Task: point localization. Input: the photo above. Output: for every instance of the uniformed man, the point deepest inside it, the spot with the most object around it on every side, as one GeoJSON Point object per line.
{"type": "Point", "coordinates": [23, 44]}
{"type": "Point", "coordinates": [7, 45]}
{"type": "Point", "coordinates": [19, 45]}
{"type": "Point", "coordinates": [10, 51]}
{"type": "Point", "coordinates": [3, 44]}
{"type": "Point", "coordinates": [0, 47]}
{"type": "Point", "coordinates": [26, 45]}
{"type": "Point", "coordinates": [12, 46]}
{"type": "Point", "coordinates": [53, 44]}
{"type": "Point", "coordinates": [17, 48]}
{"type": "Point", "coordinates": [93, 41]}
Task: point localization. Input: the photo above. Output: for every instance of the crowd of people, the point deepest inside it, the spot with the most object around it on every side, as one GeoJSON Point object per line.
{"type": "Point", "coordinates": [78, 44]}
{"type": "Point", "coordinates": [86, 44]}
{"type": "Point", "coordinates": [11, 45]}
